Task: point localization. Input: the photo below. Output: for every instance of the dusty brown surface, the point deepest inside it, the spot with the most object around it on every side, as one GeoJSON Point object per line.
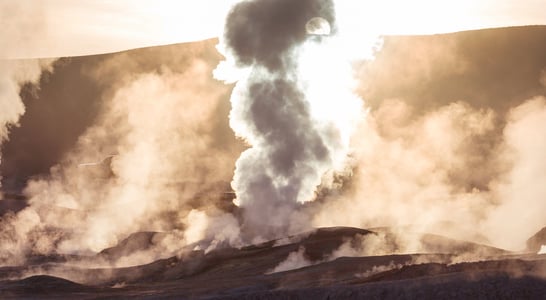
{"type": "Point", "coordinates": [245, 274]}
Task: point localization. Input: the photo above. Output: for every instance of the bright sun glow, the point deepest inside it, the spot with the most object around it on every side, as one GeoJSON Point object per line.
{"type": "Point", "coordinates": [325, 70]}
{"type": "Point", "coordinates": [66, 27]}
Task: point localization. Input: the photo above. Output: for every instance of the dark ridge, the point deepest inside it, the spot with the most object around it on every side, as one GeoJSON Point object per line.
{"type": "Point", "coordinates": [44, 285]}
{"type": "Point", "coordinates": [507, 267]}
{"type": "Point", "coordinates": [441, 244]}
{"type": "Point", "coordinates": [140, 241]}
{"type": "Point", "coordinates": [246, 272]}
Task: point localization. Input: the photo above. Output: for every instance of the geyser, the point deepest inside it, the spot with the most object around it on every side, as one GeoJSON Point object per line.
{"type": "Point", "coordinates": [287, 107]}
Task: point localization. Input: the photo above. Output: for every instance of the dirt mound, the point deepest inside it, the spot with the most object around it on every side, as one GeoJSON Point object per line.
{"type": "Point", "coordinates": [136, 242]}
{"type": "Point", "coordinates": [43, 286]}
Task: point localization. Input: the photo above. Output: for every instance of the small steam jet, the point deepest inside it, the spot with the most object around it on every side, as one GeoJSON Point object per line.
{"type": "Point", "coordinates": [101, 169]}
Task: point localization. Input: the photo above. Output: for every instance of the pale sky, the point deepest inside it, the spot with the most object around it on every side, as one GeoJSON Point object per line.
{"type": "Point", "coordinates": [53, 28]}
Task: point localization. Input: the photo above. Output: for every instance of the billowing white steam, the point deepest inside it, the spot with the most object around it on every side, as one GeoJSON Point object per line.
{"type": "Point", "coordinates": [293, 106]}
{"type": "Point", "coordinates": [165, 177]}
{"type": "Point", "coordinates": [408, 170]}
{"type": "Point", "coordinates": [154, 174]}
{"type": "Point", "coordinates": [13, 74]}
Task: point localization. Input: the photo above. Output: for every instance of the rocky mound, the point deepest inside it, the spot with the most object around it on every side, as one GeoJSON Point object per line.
{"type": "Point", "coordinates": [136, 242]}
{"type": "Point", "coordinates": [43, 286]}
{"type": "Point", "coordinates": [315, 263]}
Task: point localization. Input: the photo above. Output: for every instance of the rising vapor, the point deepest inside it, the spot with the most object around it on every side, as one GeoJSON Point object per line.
{"type": "Point", "coordinates": [155, 174]}
{"type": "Point", "coordinates": [166, 175]}
{"type": "Point", "coordinates": [14, 231]}
{"type": "Point", "coordinates": [296, 118]}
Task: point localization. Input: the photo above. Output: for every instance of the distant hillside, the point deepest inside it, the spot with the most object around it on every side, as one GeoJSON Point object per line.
{"type": "Point", "coordinates": [495, 68]}
{"type": "Point", "coordinates": [69, 100]}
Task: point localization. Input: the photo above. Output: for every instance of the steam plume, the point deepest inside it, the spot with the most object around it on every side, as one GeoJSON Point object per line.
{"type": "Point", "coordinates": [165, 177]}
{"type": "Point", "coordinates": [13, 75]}
{"type": "Point", "coordinates": [283, 109]}
{"type": "Point", "coordinates": [155, 170]}
{"type": "Point", "coordinates": [475, 178]}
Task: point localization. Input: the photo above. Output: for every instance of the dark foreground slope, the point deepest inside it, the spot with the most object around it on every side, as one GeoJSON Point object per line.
{"type": "Point", "coordinates": [316, 270]}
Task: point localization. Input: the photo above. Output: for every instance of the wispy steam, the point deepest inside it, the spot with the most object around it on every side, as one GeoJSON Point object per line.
{"type": "Point", "coordinates": [520, 192]}
{"type": "Point", "coordinates": [286, 107]}
{"type": "Point", "coordinates": [455, 171]}
{"type": "Point", "coordinates": [157, 126]}
{"type": "Point", "coordinates": [294, 260]}
{"type": "Point", "coordinates": [171, 154]}
{"type": "Point", "coordinates": [13, 75]}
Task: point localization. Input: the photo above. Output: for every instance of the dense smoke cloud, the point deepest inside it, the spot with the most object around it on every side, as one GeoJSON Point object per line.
{"type": "Point", "coordinates": [293, 143]}
{"type": "Point", "coordinates": [278, 27]}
